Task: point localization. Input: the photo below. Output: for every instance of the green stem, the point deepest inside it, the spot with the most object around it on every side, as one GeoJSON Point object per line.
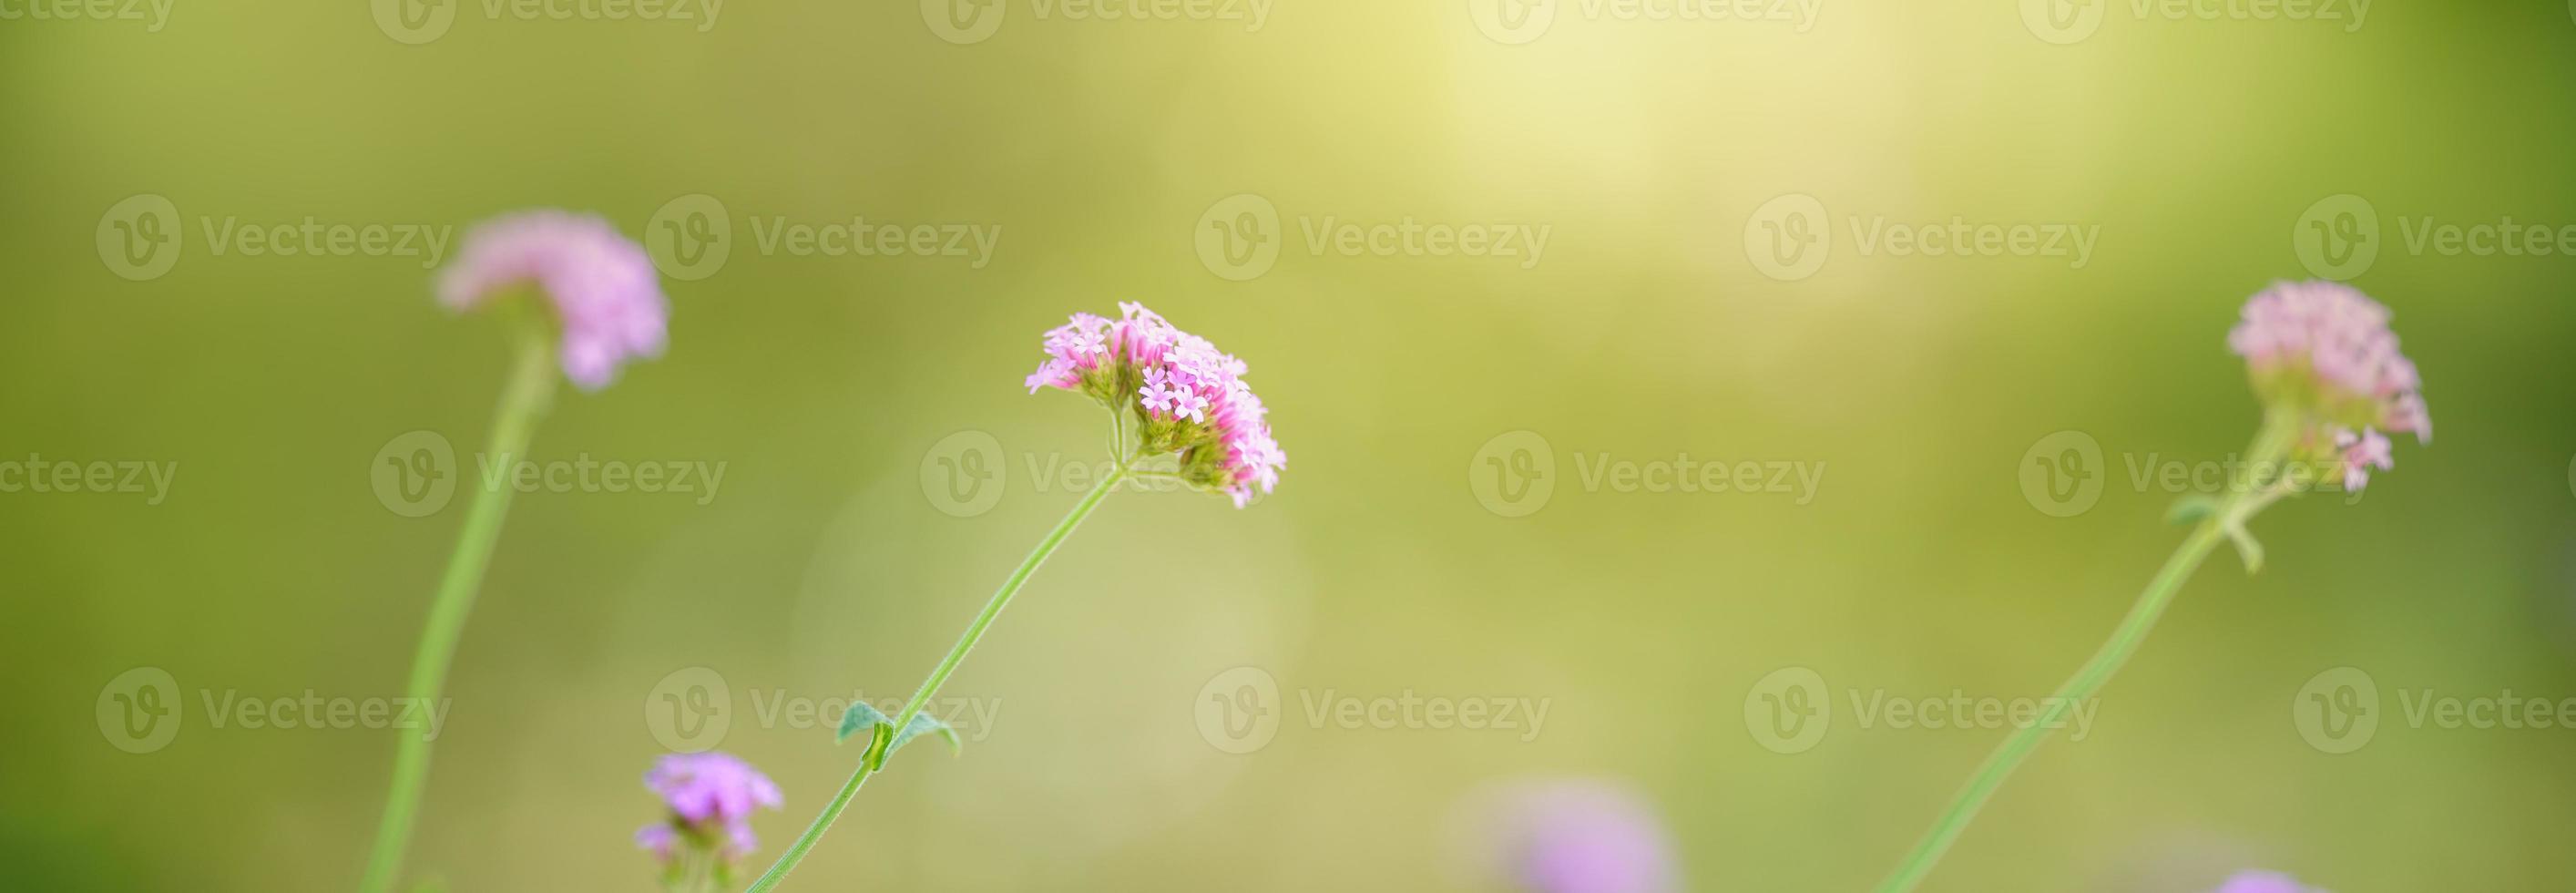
{"type": "Point", "coordinates": [523, 401]}
{"type": "Point", "coordinates": [2245, 496]}
{"type": "Point", "coordinates": [876, 755]}
{"type": "Point", "coordinates": [2088, 680]}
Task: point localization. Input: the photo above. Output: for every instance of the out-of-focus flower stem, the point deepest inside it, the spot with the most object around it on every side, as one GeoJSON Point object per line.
{"type": "Point", "coordinates": [876, 755]}
{"type": "Point", "coordinates": [2248, 493]}
{"type": "Point", "coordinates": [524, 400]}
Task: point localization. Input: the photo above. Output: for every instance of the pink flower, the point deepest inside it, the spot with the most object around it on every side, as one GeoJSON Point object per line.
{"type": "Point", "coordinates": [2362, 452]}
{"type": "Point", "coordinates": [1190, 396]}
{"type": "Point", "coordinates": [709, 794]}
{"type": "Point", "coordinates": [1576, 836]}
{"type": "Point", "coordinates": [2328, 346]}
{"type": "Point", "coordinates": [2322, 354]}
{"type": "Point", "coordinates": [602, 286]}
{"type": "Point", "coordinates": [2263, 882]}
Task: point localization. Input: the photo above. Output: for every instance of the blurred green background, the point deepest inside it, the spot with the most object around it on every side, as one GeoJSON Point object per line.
{"type": "Point", "coordinates": [1391, 559]}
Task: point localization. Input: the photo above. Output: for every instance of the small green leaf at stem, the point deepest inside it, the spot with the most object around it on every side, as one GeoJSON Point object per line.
{"type": "Point", "coordinates": [864, 718]}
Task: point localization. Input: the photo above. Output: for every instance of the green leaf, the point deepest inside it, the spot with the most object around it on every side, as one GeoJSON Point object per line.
{"type": "Point", "coordinates": [2191, 508]}
{"type": "Point", "coordinates": [864, 718]}
{"type": "Point", "coordinates": [2246, 546]}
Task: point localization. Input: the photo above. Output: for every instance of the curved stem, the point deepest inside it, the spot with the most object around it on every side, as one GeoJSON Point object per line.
{"type": "Point", "coordinates": [876, 755]}
{"type": "Point", "coordinates": [2247, 493]}
{"type": "Point", "coordinates": [2087, 680]}
{"type": "Point", "coordinates": [523, 401]}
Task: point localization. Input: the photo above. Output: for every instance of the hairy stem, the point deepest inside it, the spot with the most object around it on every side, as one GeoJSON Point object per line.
{"type": "Point", "coordinates": [2248, 493]}
{"type": "Point", "coordinates": [523, 401]}
{"type": "Point", "coordinates": [876, 754]}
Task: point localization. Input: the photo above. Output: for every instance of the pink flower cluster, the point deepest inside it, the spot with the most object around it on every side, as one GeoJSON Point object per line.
{"type": "Point", "coordinates": [1191, 396]}
{"type": "Point", "coordinates": [603, 286]}
{"type": "Point", "coordinates": [2263, 882]}
{"type": "Point", "coordinates": [709, 794]}
{"type": "Point", "coordinates": [2325, 350]}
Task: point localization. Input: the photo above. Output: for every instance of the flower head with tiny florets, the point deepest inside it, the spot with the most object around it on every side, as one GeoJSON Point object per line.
{"type": "Point", "coordinates": [1189, 398]}
{"type": "Point", "coordinates": [2322, 354]}
{"type": "Point", "coordinates": [601, 284]}
{"type": "Point", "coordinates": [711, 796]}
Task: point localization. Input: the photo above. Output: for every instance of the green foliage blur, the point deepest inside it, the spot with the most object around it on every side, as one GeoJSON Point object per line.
{"type": "Point", "coordinates": [1094, 153]}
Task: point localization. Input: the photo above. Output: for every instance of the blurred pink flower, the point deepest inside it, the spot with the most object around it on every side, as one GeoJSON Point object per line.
{"type": "Point", "coordinates": [1576, 836]}
{"type": "Point", "coordinates": [602, 286]}
{"type": "Point", "coordinates": [2324, 352]}
{"type": "Point", "coordinates": [708, 793]}
{"type": "Point", "coordinates": [2263, 882]}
